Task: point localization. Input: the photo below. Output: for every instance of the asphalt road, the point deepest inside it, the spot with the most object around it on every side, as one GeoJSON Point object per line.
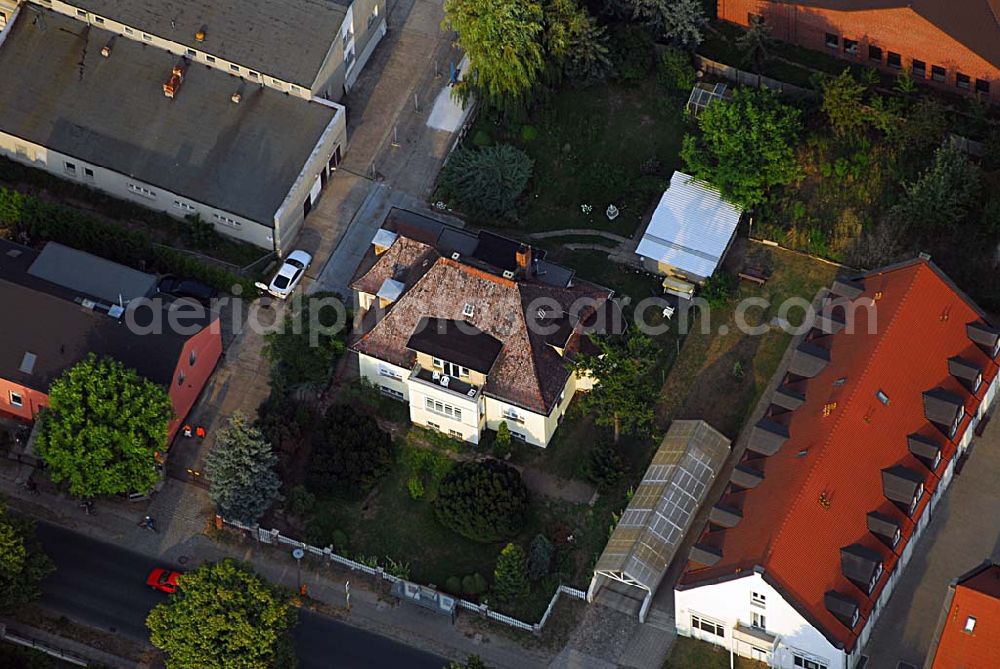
{"type": "Point", "coordinates": [104, 586]}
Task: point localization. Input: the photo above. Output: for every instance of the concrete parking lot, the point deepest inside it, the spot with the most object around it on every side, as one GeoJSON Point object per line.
{"type": "Point", "coordinates": [964, 531]}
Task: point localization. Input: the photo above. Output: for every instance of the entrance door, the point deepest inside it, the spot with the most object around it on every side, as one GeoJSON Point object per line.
{"type": "Point", "coordinates": [335, 160]}
{"type": "Point", "coordinates": [307, 206]}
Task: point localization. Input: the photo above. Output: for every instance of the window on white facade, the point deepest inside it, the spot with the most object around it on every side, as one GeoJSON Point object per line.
{"type": "Point", "coordinates": [373, 17]}
{"type": "Point", "coordinates": [210, 59]}
{"type": "Point", "coordinates": [88, 174]}
{"type": "Point", "coordinates": [443, 409]}
{"type": "Point", "coordinates": [389, 373]}
{"type": "Point", "coordinates": [970, 624]}
{"type": "Point", "coordinates": [391, 392]}
{"type": "Point", "coordinates": [254, 75]}
{"type": "Point", "coordinates": [225, 220]}
{"type": "Point", "coordinates": [710, 626]}
{"type": "Point", "coordinates": [876, 575]}
{"type": "Point", "coordinates": [141, 190]}
{"type": "Point", "coordinates": [147, 37]}
{"type": "Point", "coordinates": [758, 620]}
{"type": "Point", "coordinates": [183, 206]}
{"type": "Point", "coordinates": [349, 58]}
{"type": "Point", "coordinates": [455, 433]}
{"type": "Point", "coordinates": [519, 435]}
{"type": "Point", "coordinates": [916, 498]}
{"type": "Point", "coordinates": [510, 413]}
{"type": "Point", "coordinates": [16, 400]}
{"type": "Point", "coordinates": [806, 663]}
{"type": "Point", "coordinates": [98, 20]}
{"type": "Point", "coordinates": [234, 68]}
{"type": "Point", "coordinates": [81, 13]}
{"type": "Point", "coordinates": [70, 169]}
{"type": "Point", "coordinates": [128, 31]}
{"type": "Point", "coordinates": [757, 599]}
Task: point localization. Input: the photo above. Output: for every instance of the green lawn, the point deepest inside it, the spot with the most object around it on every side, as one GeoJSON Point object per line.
{"type": "Point", "coordinates": [731, 364]}
{"type": "Point", "coordinates": [608, 144]}
{"type": "Point", "coordinates": [693, 654]}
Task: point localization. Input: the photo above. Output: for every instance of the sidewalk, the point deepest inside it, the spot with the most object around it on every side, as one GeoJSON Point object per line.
{"type": "Point", "coordinates": [183, 513]}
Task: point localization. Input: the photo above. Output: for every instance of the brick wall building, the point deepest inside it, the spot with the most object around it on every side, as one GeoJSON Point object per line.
{"type": "Point", "coordinates": [953, 45]}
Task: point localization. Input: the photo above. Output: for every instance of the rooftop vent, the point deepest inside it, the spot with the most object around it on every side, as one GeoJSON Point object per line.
{"type": "Point", "coordinates": [174, 83]}
{"type": "Point", "coordinates": [106, 49]}
{"type": "Point", "coordinates": [236, 97]}
{"type": "Point", "coordinates": [200, 35]}
{"type": "Point", "coordinates": [445, 380]}
{"type": "Point", "coordinates": [456, 255]}
{"type": "Point", "coordinates": [507, 274]}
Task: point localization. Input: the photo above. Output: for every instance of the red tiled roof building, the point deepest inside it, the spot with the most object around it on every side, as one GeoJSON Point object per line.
{"type": "Point", "coordinates": [948, 44]}
{"type": "Point", "coordinates": [840, 475]}
{"type": "Point", "coordinates": [968, 634]}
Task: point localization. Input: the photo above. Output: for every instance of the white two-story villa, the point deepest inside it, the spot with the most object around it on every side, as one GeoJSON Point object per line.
{"type": "Point", "coordinates": [472, 330]}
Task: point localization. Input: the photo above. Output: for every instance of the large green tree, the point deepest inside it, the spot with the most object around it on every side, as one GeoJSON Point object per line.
{"type": "Point", "coordinates": [483, 500]}
{"type": "Point", "coordinates": [942, 195]}
{"type": "Point", "coordinates": [487, 181]}
{"type": "Point", "coordinates": [224, 616]}
{"type": "Point", "coordinates": [745, 146]}
{"type": "Point", "coordinates": [306, 349]}
{"type": "Point", "coordinates": [350, 454]}
{"type": "Point", "coordinates": [23, 565]}
{"type": "Point", "coordinates": [844, 103]}
{"type": "Point", "coordinates": [503, 40]}
{"type": "Point", "coordinates": [103, 429]}
{"type": "Point", "coordinates": [575, 44]}
{"type": "Point", "coordinates": [241, 470]}
{"type": "Point", "coordinates": [623, 392]}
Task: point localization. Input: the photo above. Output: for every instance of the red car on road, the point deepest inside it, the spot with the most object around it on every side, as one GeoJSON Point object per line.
{"type": "Point", "coordinates": [163, 580]}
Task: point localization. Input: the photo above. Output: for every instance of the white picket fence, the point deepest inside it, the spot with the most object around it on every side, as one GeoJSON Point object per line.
{"type": "Point", "coordinates": [274, 537]}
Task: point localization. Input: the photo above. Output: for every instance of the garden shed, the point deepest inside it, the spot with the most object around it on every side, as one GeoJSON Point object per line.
{"type": "Point", "coordinates": [690, 230]}
{"type": "Point", "coordinates": [660, 514]}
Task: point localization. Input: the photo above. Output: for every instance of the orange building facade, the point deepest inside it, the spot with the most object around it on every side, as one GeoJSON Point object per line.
{"type": "Point", "coordinates": [957, 51]}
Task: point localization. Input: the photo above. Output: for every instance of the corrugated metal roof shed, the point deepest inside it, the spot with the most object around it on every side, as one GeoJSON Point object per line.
{"type": "Point", "coordinates": [691, 227]}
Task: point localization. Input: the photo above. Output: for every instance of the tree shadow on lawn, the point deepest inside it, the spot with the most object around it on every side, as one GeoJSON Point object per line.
{"type": "Point", "coordinates": [721, 394]}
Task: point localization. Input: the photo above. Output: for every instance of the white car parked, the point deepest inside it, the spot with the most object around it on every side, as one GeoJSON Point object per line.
{"type": "Point", "coordinates": [289, 275]}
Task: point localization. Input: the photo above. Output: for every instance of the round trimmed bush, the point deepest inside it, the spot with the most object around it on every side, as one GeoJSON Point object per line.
{"type": "Point", "coordinates": [485, 500]}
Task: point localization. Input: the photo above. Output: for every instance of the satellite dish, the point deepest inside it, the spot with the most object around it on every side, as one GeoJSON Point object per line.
{"type": "Point", "coordinates": [298, 553]}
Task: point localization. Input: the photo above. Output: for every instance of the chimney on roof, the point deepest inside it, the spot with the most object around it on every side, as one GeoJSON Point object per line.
{"type": "Point", "coordinates": [200, 35]}
{"type": "Point", "coordinates": [174, 83]}
{"type": "Point", "coordinates": [525, 261]}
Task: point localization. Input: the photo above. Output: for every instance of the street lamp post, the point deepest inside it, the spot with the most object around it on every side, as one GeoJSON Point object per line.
{"type": "Point", "coordinates": [298, 554]}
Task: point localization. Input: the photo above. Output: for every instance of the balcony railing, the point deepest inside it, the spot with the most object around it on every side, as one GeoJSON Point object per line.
{"type": "Point", "coordinates": [449, 384]}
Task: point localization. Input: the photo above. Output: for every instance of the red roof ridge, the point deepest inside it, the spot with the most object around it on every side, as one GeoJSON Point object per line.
{"type": "Point", "coordinates": [841, 413]}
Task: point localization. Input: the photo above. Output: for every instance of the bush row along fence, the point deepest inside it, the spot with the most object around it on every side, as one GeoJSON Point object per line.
{"type": "Point", "coordinates": [275, 538]}
{"type": "Point", "coordinates": [745, 78]}
{"type": "Point", "coordinates": [33, 220]}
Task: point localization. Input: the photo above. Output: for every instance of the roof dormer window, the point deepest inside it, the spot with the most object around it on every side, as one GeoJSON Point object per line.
{"type": "Point", "coordinates": [959, 415]}
{"type": "Point", "coordinates": [469, 310]}
{"type": "Point", "coordinates": [876, 575]}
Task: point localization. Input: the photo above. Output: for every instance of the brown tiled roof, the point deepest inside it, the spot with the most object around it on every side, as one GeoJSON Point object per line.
{"type": "Point", "coordinates": [528, 372]}
{"type": "Point", "coordinates": [404, 261]}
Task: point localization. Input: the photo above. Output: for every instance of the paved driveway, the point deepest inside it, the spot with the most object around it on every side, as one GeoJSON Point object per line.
{"type": "Point", "coordinates": [964, 531]}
